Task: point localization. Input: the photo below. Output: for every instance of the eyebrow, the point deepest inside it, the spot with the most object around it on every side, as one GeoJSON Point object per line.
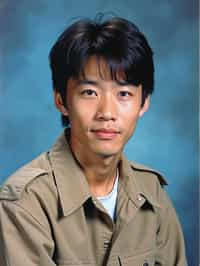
{"type": "Point", "coordinates": [87, 82]}
{"type": "Point", "coordinates": [123, 83]}
{"type": "Point", "coordinates": [95, 83]}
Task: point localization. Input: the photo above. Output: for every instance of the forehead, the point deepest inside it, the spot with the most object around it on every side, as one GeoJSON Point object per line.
{"type": "Point", "coordinates": [98, 68]}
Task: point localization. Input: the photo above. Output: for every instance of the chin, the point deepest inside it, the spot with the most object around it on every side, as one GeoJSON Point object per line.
{"type": "Point", "coordinates": [107, 149]}
{"type": "Point", "coordinates": [107, 153]}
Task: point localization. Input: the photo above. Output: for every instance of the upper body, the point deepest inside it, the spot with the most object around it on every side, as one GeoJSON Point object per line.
{"type": "Point", "coordinates": [103, 76]}
{"type": "Point", "coordinates": [49, 216]}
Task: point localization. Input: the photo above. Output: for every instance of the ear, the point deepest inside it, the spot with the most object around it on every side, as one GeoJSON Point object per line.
{"type": "Point", "coordinates": [145, 106]}
{"type": "Point", "coordinates": [59, 103]}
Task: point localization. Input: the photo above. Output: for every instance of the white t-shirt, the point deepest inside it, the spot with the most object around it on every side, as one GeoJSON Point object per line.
{"type": "Point", "coordinates": [109, 201]}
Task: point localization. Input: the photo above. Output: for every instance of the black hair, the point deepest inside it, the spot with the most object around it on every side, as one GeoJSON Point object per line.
{"type": "Point", "coordinates": [118, 41]}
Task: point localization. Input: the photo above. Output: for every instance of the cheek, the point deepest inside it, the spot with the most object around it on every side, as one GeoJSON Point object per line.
{"type": "Point", "coordinates": [129, 117]}
{"type": "Point", "coordinates": [130, 111]}
{"type": "Point", "coordinates": [81, 114]}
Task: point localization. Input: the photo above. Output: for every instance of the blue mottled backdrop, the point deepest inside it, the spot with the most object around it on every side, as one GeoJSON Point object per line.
{"type": "Point", "coordinates": [167, 136]}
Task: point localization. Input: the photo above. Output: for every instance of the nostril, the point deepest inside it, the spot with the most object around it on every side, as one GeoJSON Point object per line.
{"type": "Point", "coordinates": [105, 116]}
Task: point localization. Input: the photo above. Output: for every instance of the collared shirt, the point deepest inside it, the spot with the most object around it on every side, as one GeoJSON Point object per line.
{"type": "Point", "coordinates": [48, 216]}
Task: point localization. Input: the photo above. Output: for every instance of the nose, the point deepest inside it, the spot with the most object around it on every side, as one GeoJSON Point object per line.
{"type": "Point", "coordinates": [106, 108]}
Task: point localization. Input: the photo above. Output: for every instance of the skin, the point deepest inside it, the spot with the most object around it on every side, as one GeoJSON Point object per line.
{"type": "Point", "coordinates": [103, 115]}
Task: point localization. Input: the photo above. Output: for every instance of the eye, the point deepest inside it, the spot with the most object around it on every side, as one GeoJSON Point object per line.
{"type": "Point", "coordinates": [89, 92]}
{"type": "Point", "coordinates": [125, 94]}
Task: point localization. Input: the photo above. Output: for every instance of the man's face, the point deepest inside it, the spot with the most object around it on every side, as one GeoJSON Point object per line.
{"type": "Point", "coordinates": [102, 112]}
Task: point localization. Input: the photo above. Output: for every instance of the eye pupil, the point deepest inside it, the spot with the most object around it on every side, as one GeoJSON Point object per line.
{"type": "Point", "coordinates": [90, 92]}
{"type": "Point", "coordinates": [124, 93]}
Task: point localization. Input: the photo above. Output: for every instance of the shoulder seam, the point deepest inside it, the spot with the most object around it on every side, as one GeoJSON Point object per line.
{"type": "Point", "coordinates": [142, 168]}
{"type": "Point", "coordinates": [13, 188]}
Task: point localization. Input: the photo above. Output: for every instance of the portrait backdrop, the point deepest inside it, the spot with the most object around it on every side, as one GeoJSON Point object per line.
{"type": "Point", "coordinates": [167, 136]}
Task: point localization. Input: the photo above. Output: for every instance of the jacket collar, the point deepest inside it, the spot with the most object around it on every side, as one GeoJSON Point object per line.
{"type": "Point", "coordinates": [72, 185]}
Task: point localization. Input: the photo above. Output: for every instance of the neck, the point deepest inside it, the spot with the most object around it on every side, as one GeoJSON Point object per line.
{"type": "Point", "coordinates": [101, 175]}
{"type": "Point", "coordinates": [100, 171]}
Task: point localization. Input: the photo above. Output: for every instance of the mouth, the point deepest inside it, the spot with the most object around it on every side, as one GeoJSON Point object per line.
{"type": "Point", "coordinates": [105, 133]}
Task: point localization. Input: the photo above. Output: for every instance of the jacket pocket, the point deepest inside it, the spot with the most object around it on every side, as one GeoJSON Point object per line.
{"type": "Point", "coordinates": [144, 259]}
{"type": "Point", "coordinates": [73, 263]}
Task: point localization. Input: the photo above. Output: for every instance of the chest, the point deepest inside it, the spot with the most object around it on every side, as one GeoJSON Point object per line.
{"type": "Point", "coordinates": [89, 237]}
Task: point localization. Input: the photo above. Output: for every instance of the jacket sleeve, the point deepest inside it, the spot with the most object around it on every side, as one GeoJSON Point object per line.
{"type": "Point", "coordinates": [23, 240]}
{"type": "Point", "coordinates": [170, 240]}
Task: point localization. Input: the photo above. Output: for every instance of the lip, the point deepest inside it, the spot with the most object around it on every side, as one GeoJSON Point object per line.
{"type": "Point", "coordinates": [105, 133]}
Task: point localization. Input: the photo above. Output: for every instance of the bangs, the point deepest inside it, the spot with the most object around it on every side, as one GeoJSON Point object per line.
{"type": "Point", "coordinates": [109, 68]}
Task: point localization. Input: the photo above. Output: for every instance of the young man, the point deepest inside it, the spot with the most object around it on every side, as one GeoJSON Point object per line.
{"type": "Point", "coordinates": [83, 202]}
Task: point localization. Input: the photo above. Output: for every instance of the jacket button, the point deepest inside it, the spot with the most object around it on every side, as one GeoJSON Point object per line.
{"type": "Point", "coordinates": [139, 198]}
{"type": "Point", "coordinates": [146, 264]}
{"type": "Point", "coordinates": [106, 244]}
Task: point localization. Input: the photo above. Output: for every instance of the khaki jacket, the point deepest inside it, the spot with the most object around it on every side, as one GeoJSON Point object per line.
{"type": "Point", "coordinates": [49, 217]}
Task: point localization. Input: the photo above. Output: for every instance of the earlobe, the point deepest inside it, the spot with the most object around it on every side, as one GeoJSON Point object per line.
{"type": "Point", "coordinates": [59, 103]}
{"type": "Point", "coordinates": [145, 106]}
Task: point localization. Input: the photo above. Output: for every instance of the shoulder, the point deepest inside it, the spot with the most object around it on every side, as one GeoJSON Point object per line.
{"type": "Point", "coordinates": [150, 183]}
{"type": "Point", "coordinates": [147, 173]}
{"type": "Point", "coordinates": [28, 195]}
{"type": "Point", "coordinates": [15, 185]}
